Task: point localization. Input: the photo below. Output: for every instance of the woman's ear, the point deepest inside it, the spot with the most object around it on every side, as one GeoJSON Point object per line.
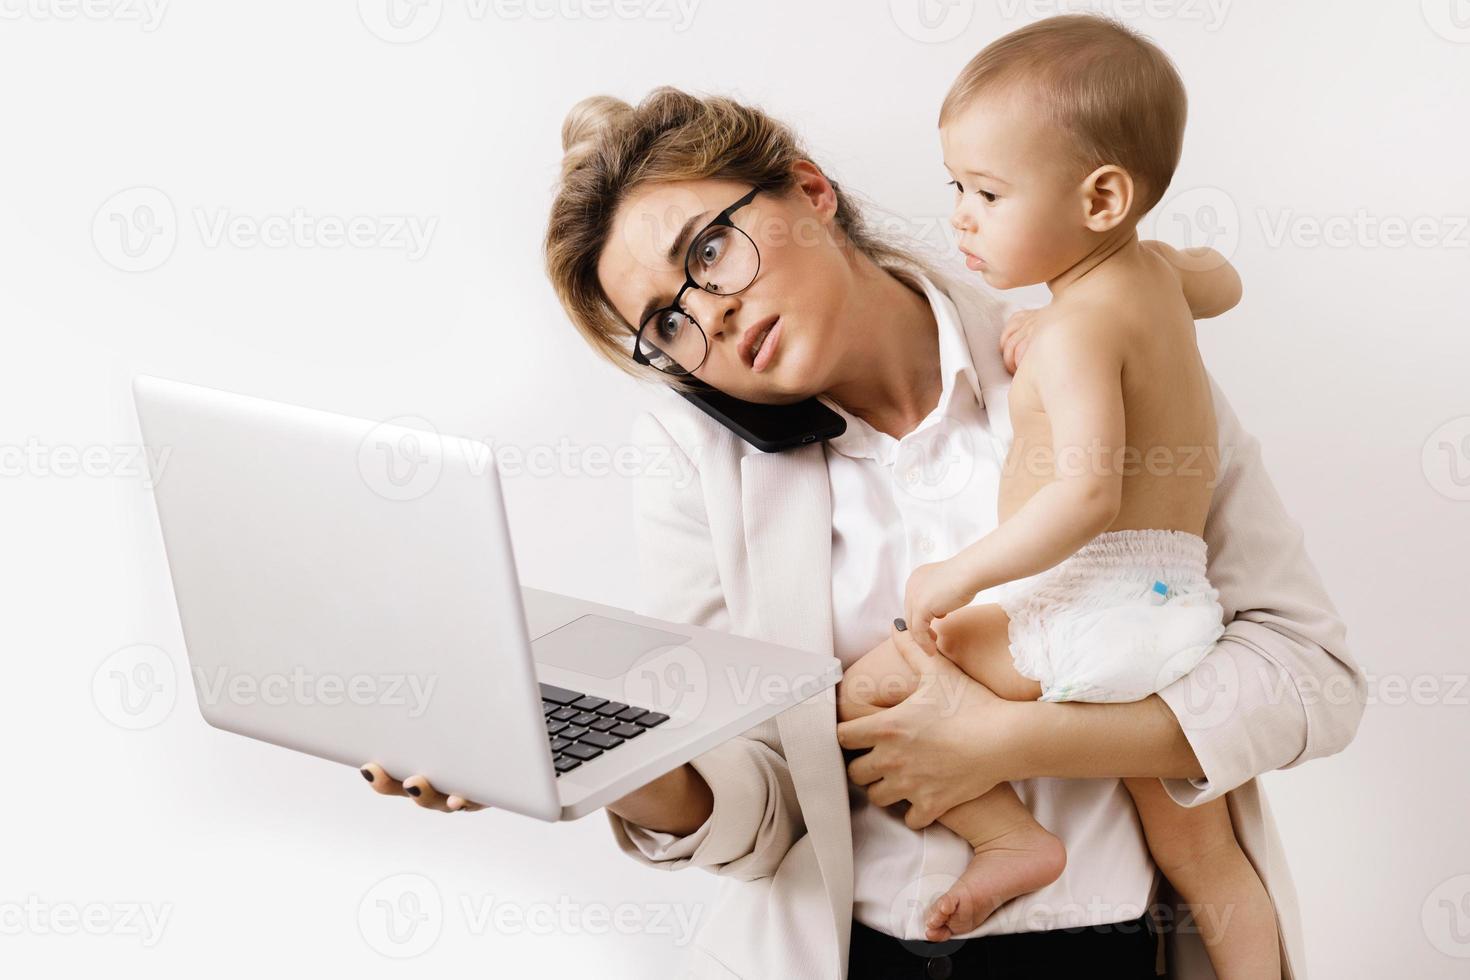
{"type": "Point", "coordinates": [1107, 198]}
{"type": "Point", "coordinates": [815, 188]}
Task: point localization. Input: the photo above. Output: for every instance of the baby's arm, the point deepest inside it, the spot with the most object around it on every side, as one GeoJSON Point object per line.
{"type": "Point", "coordinates": [1210, 283]}
{"type": "Point", "coordinates": [1077, 371]}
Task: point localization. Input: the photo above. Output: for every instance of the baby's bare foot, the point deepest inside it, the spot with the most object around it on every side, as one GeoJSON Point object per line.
{"type": "Point", "coordinates": [1018, 861]}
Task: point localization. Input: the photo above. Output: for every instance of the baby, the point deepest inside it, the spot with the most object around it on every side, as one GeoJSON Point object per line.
{"type": "Point", "coordinates": [1059, 137]}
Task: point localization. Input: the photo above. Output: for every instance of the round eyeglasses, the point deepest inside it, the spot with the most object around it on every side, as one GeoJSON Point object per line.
{"type": "Point", "coordinates": [721, 259]}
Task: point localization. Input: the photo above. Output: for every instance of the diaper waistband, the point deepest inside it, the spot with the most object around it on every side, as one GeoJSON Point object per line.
{"type": "Point", "coordinates": [1162, 552]}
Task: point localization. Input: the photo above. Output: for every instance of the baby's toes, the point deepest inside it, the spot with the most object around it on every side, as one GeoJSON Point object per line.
{"type": "Point", "coordinates": [939, 913]}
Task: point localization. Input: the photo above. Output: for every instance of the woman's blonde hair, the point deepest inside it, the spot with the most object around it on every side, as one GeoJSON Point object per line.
{"type": "Point", "coordinates": [612, 147]}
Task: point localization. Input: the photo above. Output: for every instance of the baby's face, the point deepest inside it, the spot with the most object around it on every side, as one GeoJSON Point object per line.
{"type": "Point", "coordinates": [1019, 208]}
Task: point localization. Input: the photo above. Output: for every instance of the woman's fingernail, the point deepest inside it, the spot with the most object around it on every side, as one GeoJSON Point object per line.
{"type": "Point", "coordinates": [413, 790]}
{"type": "Point", "coordinates": [366, 775]}
{"type": "Point", "coordinates": [902, 626]}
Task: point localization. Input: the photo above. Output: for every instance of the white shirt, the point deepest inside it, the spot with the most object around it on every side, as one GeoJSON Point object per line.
{"type": "Point", "coordinates": [896, 504]}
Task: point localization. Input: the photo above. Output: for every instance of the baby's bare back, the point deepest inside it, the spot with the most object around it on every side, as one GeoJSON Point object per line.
{"type": "Point", "coordinates": [1171, 457]}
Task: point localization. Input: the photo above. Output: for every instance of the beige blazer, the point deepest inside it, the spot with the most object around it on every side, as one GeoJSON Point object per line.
{"type": "Point", "coordinates": [736, 539]}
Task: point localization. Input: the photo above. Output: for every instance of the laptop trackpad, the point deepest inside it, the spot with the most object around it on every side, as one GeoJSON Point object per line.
{"type": "Point", "coordinates": [600, 646]}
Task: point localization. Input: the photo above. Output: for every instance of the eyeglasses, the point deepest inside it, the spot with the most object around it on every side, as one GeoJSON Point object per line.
{"type": "Point", "coordinates": [722, 260]}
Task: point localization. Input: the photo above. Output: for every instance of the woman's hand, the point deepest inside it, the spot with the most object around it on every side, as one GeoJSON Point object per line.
{"type": "Point", "coordinates": [417, 788]}
{"type": "Point", "coordinates": [948, 742]}
{"type": "Point", "coordinates": [1020, 327]}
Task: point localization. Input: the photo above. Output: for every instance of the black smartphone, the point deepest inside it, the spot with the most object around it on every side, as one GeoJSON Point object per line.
{"type": "Point", "coordinates": [769, 428]}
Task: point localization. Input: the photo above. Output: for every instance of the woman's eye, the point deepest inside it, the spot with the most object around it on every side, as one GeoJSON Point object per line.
{"type": "Point", "coordinates": [710, 248]}
{"type": "Point", "coordinates": [669, 325]}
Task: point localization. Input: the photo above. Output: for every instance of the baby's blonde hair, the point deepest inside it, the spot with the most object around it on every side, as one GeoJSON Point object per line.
{"type": "Point", "coordinates": [1117, 95]}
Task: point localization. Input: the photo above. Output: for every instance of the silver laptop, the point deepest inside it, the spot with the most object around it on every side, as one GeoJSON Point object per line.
{"type": "Point", "coordinates": [347, 589]}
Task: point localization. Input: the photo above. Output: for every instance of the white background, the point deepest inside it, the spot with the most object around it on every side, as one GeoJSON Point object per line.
{"type": "Point", "coordinates": [1346, 358]}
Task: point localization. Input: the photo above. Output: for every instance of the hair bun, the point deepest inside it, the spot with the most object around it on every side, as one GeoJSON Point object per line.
{"type": "Point", "coordinates": [587, 125]}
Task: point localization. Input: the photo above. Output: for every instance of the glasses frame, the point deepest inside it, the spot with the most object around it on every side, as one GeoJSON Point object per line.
{"type": "Point", "coordinates": [721, 220]}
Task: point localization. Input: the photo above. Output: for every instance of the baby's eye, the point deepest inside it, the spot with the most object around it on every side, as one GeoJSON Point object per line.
{"type": "Point", "coordinates": [959, 191]}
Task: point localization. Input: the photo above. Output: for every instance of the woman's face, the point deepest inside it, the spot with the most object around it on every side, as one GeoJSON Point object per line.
{"type": "Point", "coordinates": [797, 297]}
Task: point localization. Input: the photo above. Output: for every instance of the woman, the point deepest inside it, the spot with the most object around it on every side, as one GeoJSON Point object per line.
{"type": "Point", "coordinates": [701, 226]}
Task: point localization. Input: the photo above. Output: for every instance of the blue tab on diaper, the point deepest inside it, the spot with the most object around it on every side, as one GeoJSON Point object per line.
{"type": "Point", "coordinates": [1161, 592]}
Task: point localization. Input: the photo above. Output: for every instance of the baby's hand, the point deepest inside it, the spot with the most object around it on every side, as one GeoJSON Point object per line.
{"type": "Point", "coordinates": [934, 591]}
{"type": "Point", "coordinates": [1017, 337]}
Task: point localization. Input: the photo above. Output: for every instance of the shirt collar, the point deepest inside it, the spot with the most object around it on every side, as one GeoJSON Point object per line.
{"type": "Point", "coordinates": [861, 439]}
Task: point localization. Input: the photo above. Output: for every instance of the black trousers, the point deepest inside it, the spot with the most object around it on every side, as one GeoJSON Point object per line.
{"type": "Point", "coordinates": [1117, 951]}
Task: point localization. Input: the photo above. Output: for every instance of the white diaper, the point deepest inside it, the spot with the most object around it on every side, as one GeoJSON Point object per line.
{"type": "Point", "coordinates": [1101, 627]}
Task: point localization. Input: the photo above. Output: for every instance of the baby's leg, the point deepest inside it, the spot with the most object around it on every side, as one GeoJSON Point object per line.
{"type": "Point", "coordinates": [975, 638]}
{"type": "Point", "coordinates": [1013, 853]}
{"type": "Point", "coordinates": [878, 679]}
{"type": "Point", "coordinates": [1196, 849]}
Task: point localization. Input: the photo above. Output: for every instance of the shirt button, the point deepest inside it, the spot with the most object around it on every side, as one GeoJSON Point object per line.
{"type": "Point", "coordinates": [926, 545]}
{"type": "Point", "coordinates": [911, 477]}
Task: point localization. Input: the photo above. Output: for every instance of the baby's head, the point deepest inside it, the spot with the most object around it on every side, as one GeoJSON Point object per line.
{"type": "Point", "coordinates": [1058, 136]}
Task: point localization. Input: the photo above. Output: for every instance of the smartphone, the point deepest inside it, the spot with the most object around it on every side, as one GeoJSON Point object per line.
{"type": "Point", "coordinates": [769, 428]}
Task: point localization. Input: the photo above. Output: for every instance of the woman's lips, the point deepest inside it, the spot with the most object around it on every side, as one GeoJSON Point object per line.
{"type": "Point", "coordinates": [767, 348]}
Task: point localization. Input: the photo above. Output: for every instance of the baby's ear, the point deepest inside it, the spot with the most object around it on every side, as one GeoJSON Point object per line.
{"type": "Point", "coordinates": [1107, 198]}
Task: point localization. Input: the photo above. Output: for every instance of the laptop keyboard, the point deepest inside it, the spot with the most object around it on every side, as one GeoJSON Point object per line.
{"type": "Point", "coordinates": [581, 727]}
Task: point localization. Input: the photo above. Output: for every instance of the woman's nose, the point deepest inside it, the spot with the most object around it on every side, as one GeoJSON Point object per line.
{"type": "Point", "coordinates": [710, 310]}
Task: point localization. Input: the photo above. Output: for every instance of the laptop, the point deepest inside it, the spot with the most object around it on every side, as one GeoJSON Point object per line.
{"type": "Point", "coordinates": [347, 589]}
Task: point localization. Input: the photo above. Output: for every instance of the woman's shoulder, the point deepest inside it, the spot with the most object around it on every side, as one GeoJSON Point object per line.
{"type": "Point", "coordinates": [979, 308]}
{"type": "Point", "coordinates": [980, 311]}
{"type": "Point", "coordinates": [667, 417]}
